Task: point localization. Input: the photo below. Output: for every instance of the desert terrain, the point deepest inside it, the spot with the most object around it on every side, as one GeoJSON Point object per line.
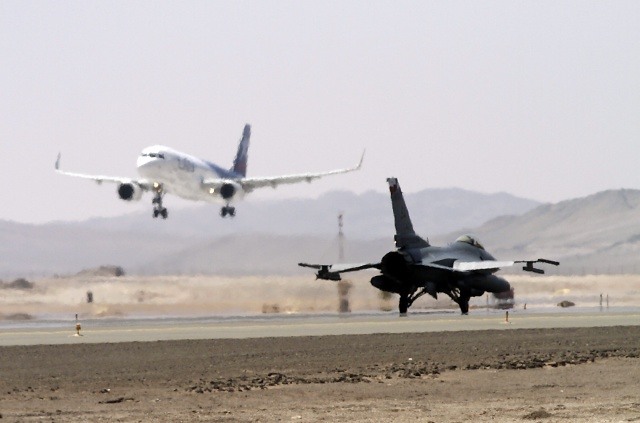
{"type": "Point", "coordinates": [209, 295]}
{"type": "Point", "coordinates": [551, 375]}
{"type": "Point", "coordinates": [544, 375]}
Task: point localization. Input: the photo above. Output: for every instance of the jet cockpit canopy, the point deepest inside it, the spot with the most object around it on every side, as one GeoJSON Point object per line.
{"type": "Point", "coordinates": [471, 240]}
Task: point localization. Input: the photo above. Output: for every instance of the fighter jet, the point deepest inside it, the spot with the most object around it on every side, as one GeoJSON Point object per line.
{"type": "Point", "coordinates": [461, 270]}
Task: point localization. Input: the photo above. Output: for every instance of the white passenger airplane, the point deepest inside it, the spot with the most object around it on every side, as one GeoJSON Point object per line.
{"type": "Point", "coordinates": [164, 170]}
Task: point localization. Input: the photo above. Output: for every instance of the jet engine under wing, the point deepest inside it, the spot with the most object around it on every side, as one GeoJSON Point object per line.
{"type": "Point", "coordinates": [143, 183]}
{"type": "Point", "coordinates": [331, 272]}
{"type": "Point", "coordinates": [469, 266]}
{"type": "Point", "coordinates": [249, 184]}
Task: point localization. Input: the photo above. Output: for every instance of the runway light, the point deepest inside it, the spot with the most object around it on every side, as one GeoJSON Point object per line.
{"type": "Point", "coordinates": [78, 327]}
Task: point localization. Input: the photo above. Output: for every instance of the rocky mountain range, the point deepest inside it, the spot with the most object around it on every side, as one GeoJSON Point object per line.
{"type": "Point", "coordinates": [595, 234]}
{"type": "Point", "coordinates": [599, 233]}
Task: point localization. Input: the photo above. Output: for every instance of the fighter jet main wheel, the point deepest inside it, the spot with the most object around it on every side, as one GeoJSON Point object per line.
{"type": "Point", "coordinates": [155, 213]}
{"type": "Point", "coordinates": [464, 305]}
{"type": "Point", "coordinates": [232, 211]}
{"type": "Point", "coordinates": [403, 305]}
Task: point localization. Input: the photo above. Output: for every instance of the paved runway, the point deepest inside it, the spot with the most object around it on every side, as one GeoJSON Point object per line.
{"type": "Point", "coordinates": [145, 330]}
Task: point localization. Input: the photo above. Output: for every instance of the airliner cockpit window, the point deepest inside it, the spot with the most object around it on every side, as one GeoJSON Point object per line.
{"type": "Point", "coordinates": [470, 240]}
{"type": "Point", "coordinates": [154, 155]}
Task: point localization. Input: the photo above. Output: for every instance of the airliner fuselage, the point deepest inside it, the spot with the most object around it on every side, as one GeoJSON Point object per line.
{"type": "Point", "coordinates": [164, 170]}
{"type": "Point", "coordinates": [182, 174]}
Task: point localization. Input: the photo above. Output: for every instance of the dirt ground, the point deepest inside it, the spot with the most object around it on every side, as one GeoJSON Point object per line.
{"type": "Point", "coordinates": [546, 375]}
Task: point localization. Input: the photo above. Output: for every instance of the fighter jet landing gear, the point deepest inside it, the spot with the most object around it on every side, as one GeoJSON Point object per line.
{"type": "Point", "coordinates": [158, 209]}
{"type": "Point", "coordinates": [228, 210]}
{"type": "Point", "coordinates": [407, 299]}
{"type": "Point", "coordinates": [464, 306]}
{"type": "Point", "coordinates": [461, 297]}
{"type": "Point", "coordinates": [403, 305]}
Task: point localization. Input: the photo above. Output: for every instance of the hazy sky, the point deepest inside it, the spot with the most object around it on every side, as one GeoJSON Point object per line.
{"type": "Point", "coordinates": [540, 99]}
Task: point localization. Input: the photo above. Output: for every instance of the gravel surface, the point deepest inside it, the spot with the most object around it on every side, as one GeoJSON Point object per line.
{"type": "Point", "coordinates": [545, 375]}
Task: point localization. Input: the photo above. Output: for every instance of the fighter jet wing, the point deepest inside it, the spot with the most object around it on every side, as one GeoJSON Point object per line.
{"type": "Point", "coordinates": [143, 183]}
{"type": "Point", "coordinates": [331, 272]}
{"type": "Point", "coordinates": [249, 184]}
{"type": "Point", "coordinates": [468, 266]}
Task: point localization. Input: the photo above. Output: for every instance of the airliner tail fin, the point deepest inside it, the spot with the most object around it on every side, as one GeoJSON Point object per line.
{"type": "Point", "coordinates": [240, 162]}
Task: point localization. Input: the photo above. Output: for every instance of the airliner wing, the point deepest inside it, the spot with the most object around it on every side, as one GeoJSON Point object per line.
{"type": "Point", "coordinates": [143, 183]}
{"type": "Point", "coordinates": [469, 266]}
{"type": "Point", "coordinates": [331, 272]}
{"type": "Point", "coordinates": [249, 184]}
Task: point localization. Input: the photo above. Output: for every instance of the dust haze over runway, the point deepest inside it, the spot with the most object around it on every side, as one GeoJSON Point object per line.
{"type": "Point", "coordinates": [164, 308]}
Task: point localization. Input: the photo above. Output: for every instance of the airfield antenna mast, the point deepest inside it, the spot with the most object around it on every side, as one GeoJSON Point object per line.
{"type": "Point", "coordinates": [344, 286]}
{"type": "Point", "coordinates": [340, 238]}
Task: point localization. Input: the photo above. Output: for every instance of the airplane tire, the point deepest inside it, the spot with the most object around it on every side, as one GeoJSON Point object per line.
{"type": "Point", "coordinates": [164, 213]}
{"type": "Point", "coordinates": [231, 211]}
{"type": "Point", "coordinates": [464, 306]}
{"type": "Point", "coordinates": [403, 304]}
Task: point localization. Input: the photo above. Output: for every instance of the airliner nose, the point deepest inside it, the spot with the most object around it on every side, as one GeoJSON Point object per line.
{"type": "Point", "coordinates": [147, 166]}
{"type": "Point", "coordinates": [144, 161]}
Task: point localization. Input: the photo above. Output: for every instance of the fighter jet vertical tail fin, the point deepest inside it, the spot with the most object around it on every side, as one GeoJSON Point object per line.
{"type": "Point", "coordinates": [240, 162]}
{"type": "Point", "coordinates": [405, 235]}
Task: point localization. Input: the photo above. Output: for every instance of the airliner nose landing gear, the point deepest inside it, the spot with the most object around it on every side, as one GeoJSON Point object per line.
{"type": "Point", "coordinates": [228, 210]}
{"type": "Point", "coordinates": [158, 209]}
{"type": "Point", "coordinates": [160, 212]}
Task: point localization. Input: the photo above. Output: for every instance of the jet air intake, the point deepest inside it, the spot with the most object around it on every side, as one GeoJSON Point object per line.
{"type": "Point", "coordinates": [228, 190]}
{"type": "Point", "coordinates": [129, 191]}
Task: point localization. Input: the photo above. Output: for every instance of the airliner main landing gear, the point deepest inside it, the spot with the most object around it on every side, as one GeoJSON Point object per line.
{"type": "Point", "coordinates": [228, 210]}
{"type": "Point", "coordinates": [158, 209]}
